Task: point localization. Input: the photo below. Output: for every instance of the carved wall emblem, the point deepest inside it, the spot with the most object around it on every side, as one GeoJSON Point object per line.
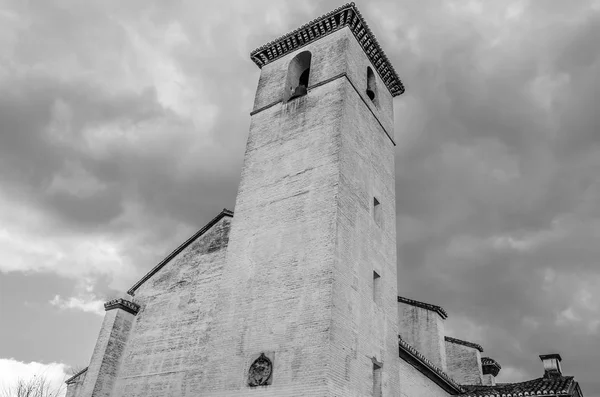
{"type": "Point", "coordinates": [260, 371]}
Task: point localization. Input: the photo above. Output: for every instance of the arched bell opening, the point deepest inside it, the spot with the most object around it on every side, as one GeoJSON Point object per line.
{"type": "Point", "coordinates": [371, 85]}
{"type": "Point", "coordinates": [298, 76]}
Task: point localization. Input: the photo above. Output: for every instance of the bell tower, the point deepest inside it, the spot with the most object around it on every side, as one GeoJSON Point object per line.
{"type": "Point", "coordinates": [308, 304]}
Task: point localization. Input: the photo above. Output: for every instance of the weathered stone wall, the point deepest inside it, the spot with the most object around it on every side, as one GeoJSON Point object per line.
{"type": "Point", "coordinates": [464, 363]}
{"type": "Point", "coordinates": [414, 384]}
{"type": "Point", "coordinates": [424, 330]}
{"type": "Point", "coordinates": [364, 325]}
{"type": "Point", "coordinates": [104, 365]}
{"type": "Point", "coordinates": [276, 295]}
{"type": "Point", "coordinates": [169, 346]}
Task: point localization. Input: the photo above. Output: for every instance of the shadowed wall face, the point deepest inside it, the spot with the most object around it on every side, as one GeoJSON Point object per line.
{"type": "Point", "coordinates": [424, 330]}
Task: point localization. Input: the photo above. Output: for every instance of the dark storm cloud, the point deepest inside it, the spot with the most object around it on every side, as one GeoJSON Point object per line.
{"type": "Point", "coordinates": [498, 194]}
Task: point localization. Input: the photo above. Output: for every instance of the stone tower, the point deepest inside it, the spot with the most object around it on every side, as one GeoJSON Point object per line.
{"type": "Point", "coordinates": [309, 285]}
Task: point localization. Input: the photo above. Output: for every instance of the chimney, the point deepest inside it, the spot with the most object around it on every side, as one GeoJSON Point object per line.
{"type": "Point", "coordinates": [551, 365]}
{"type": "Point", "coordinates": [490, 368]}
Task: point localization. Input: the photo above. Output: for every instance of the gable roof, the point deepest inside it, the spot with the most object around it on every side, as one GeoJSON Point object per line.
{"type": "Point", "coordinates": [346, 15]}
{"type": "Point", "coordinates": [464, 343]}
{"type": "Point", "coordinates": [558, 386]}
{"type": "Point", "coordinates": [177, 250]}
{"type": "Point", "coordinates": [424, 305]}
{"type": "Point", "coordinates": [412, 356]}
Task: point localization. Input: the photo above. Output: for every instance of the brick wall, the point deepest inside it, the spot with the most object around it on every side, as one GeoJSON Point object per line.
{"type": "Point", "coordinates": [169, 346]}
{"type": "Point", "coordinates": [106, 358]}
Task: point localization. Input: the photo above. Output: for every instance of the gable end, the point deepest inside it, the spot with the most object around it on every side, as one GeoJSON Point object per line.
{"type": "Point", "coordinates": [183, 246]}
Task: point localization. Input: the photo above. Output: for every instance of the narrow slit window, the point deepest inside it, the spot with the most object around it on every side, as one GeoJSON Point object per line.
{"type": "Point", "coordinates": [376, 286]}
{"type": "Point", "coordinates": [377, 216]}
{"type": "Point", "coordinates": [376, 380]}
{"type": "Point", "coordinates": [371, 85]}
{"type": "Point", "coordinates": [298, 76]}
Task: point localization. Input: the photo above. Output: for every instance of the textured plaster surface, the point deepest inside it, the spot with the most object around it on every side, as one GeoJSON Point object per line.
{"type": "Point", "coordinates": [104, 365]}
{"type": "Point", "coordinates": [424, 330]}
{"type": "Point", "coordinates": [464, 364]}
{"type": "Point", "coordinates": [168, 348]}
{"type": "Point", "coordinates": [414, 384]}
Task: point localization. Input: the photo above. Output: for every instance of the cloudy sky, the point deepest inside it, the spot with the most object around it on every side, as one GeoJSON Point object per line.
{"type": "Point", "coordinates": [122, 132]}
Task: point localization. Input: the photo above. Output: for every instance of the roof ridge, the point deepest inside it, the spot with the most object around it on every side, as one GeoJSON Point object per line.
{"type": "Point", "coordinates": [346, 15]}
{"type": "Point", "coordinates": [464, 343]}
{"type": "Point", "coordinates": [167, 259]}
{"type": "Point", "coordinates": [562, 386]}
{"type": "Point", "coordinates": [72, 378]}
{"type": "Point", "coordinates": [428, 306]}
{"type": "Point", "coordinates": [406, 347]}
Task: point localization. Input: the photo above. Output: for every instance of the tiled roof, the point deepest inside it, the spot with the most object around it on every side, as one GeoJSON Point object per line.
{"type": "Point", "coordinates": [423, 364]}
{"type": "Point", "coordinates": [464, 343]}
{"type": "Point", "coordinates": [346, 15]}
{"type": "Point", "coordinates": [489, 361]}
{"type": "Point", "coordinates": [120, 303]}
{"type": "Point", "coordinates": [559, 386]}
{"type": "Point", "coordinates": [490, 366]}
{"type": "Point", "coordinates": [177, 250]}
{"type": "Point", "coordinates": [424, 305]}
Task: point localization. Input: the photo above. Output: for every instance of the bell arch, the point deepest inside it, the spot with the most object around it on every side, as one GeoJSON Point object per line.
{"type": "Point", "coordinates": [298, 75]}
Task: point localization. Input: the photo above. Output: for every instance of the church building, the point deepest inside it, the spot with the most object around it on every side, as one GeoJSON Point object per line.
{"type": "Point", "coordinates": [296, 294]}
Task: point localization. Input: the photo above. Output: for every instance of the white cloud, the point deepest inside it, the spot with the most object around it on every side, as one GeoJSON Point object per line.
{"type": "Point", "coordinates": [86, 304]}
{"type": "Point", "coordinates": [12, 371]}
{"type": "Point", "coordinates": [26, 247]}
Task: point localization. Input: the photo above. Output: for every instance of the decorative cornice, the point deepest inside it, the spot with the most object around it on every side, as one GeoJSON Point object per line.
{"type": "Point", "coordinates": [490, 366]}
{"type": "Point", "coordinates": [177, 250]}
{"type": "Point", "coordinates": [464, 343]}
{"type": "Point", "coordinates": [427, 368]}
{"type": "Point", "coordinates": [424, 305]}
{"type": "Point", "coordinates": [346, 15]}
{"type": "Point", "coordinates": [73, 378]}
{"type": "Point", "coordinates": [120, 303]}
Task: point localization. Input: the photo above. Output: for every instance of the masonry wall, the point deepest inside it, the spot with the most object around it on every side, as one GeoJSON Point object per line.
{"type": "Point", "coordinates": [169, 346]}
{"type": "Point", "coordinates": [424, 330]}
{"type": "Point", "coordinates": [108, 352]}
{"type": "Point", "coordinates": [276, 293]}
{"type": "Point", "coordinates": [364, 323]}
{"type": "Point", "coordinates": [414, 384]}
{"type": "Point", "coordinates": [464, 363]}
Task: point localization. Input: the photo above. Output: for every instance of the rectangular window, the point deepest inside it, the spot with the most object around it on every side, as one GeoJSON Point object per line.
{"type": "Point", "coordinates": [376, 380]}
{"type": "Point", "coordinates": [377, 216]}
{"type": "Point", "coordinates": [376, 286]}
